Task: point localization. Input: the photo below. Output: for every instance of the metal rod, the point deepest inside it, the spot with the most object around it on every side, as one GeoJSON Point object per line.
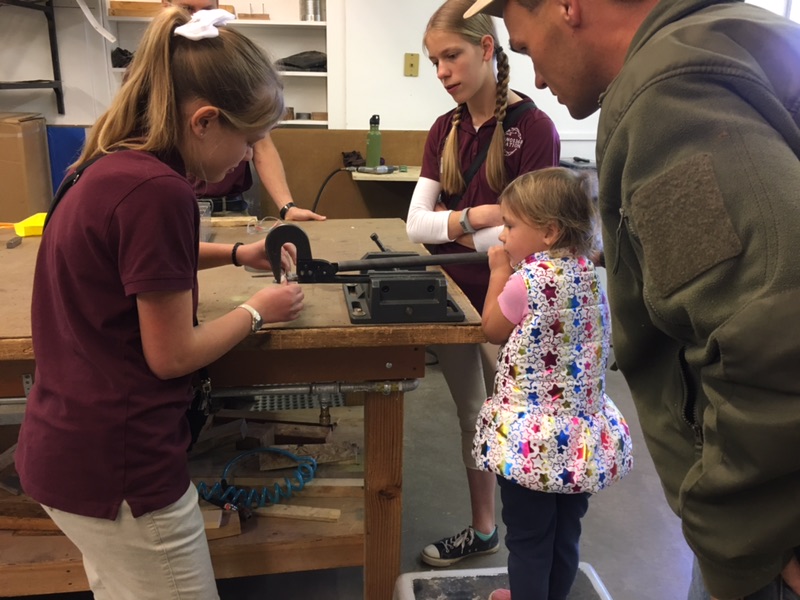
{"type": "Point", "coordinates": [380, 387]}
{"type": "Point", "coordinates": [411, 261]}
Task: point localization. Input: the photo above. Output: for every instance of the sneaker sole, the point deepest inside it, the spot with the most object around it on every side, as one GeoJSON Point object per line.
{"type": "Point", "coordinates": [446, 562]}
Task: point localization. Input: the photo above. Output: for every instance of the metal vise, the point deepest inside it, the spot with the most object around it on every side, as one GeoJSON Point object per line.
{"type": "Point", "coordinates": [389, 287]}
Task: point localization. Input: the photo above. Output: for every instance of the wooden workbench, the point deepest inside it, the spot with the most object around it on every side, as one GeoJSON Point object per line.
{"type": "Point", "coordinates": [321, 346]}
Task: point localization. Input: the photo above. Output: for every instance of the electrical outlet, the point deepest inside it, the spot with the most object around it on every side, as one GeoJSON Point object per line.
{"type": "Point", "coordinates": [411, 68]}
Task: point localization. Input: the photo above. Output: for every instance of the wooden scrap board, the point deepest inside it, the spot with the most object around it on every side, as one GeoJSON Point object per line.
{"type": "Point", "coordinates": [145, 8]}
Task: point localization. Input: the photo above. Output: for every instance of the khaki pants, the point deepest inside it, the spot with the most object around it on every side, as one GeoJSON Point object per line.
{"type": "Point", "coordinates": [162, 555]}
{"type": "Point", "coordinates": [469, 371]}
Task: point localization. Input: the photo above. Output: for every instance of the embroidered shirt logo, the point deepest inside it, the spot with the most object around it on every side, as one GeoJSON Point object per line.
{"type": "Point", "coordinates": [513, 140]}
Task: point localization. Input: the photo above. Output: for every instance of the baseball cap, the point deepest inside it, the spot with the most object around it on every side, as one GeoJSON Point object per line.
{"type": "Point", "coordinates": [489, 7]}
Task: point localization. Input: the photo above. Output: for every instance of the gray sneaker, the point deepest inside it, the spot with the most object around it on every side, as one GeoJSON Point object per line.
{"type": "Point", "coordinates": [449, 551]}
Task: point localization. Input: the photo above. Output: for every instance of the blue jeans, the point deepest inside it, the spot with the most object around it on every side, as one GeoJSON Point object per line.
{"type": "Point", "coordinates": [542, 535]}
{"type": "Point", "coordinates": [776, 590]}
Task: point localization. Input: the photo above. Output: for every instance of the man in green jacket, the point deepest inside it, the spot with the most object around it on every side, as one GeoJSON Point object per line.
{"type": "Point", "coordinates": [697, 153]}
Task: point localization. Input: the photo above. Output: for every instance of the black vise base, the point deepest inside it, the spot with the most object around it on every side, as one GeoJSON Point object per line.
{"type": "Point", "coordinates": [402, 297]}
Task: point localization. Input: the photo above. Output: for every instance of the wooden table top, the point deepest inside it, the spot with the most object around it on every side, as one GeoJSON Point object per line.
{"type": "Point", "coordinates": [324, 322]}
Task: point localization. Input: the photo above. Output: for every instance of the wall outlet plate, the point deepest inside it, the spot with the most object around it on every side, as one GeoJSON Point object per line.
{"type": "Point", "coordinates": [411, 67]}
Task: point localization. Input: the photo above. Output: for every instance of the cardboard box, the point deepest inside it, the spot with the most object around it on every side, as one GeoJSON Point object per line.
{"type": "Point", "coordinates": [25, 182]}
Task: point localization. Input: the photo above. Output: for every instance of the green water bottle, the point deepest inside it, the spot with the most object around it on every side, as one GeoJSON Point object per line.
{"type": "Point", "coordinates": [374, 142]}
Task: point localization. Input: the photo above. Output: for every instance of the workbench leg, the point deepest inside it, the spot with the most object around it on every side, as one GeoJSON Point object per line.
{"type": "Point", "coordinates": [383, 502]}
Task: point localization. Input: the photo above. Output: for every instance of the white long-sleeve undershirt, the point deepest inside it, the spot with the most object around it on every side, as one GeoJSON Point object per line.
{"type": "Point", "coordinates": [424, 225]}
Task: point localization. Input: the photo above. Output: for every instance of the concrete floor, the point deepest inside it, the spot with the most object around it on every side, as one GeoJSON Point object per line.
{"type": "Point", "coordinates": [630, 536]}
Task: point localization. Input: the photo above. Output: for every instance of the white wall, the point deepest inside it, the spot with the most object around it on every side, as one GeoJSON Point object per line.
{"type": "Point", "coordinates": [367, 40]}
{"type": "Point", "coordinates": [25, 55]}
{"type": "Point", "coordinates": [379, 33]}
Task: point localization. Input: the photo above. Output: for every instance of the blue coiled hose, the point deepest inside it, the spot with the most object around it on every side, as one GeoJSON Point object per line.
{"type": "Point", "coordinates": [306, 468]}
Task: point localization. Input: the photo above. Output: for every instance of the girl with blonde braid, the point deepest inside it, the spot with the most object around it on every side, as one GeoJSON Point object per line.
{"type": "Point", "coordinates": [454, 209]}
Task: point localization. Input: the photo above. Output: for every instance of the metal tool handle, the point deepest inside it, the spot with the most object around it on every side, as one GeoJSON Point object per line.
{"type": "Point", "coordinates": [401, 262]}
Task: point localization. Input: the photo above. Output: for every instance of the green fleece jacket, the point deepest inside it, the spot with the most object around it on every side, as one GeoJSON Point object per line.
{"type": "Point", "coordinates": [697, 152]}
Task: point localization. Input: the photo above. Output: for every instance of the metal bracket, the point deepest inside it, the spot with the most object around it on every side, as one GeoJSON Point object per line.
{"type": "Point", "coordinates": [27, 383]}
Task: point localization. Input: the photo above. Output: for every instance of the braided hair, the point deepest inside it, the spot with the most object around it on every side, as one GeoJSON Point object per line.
{"type": "Point", "coordinates": [450, 18]}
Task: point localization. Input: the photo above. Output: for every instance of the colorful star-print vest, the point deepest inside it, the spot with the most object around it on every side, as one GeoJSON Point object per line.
{"type": "Point", "coordinates": [549, 425]}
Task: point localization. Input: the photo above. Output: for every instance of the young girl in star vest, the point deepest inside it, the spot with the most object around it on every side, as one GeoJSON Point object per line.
{"type": "Point", "coordinates": [549, 431]}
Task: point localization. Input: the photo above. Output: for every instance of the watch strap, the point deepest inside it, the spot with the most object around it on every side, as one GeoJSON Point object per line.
{"type": "Point", "coordinates": [466, 226]}
{"type": "Point", "coordinates": [256, 320]}
{"type": "Point", "coordinates": [285, 209]}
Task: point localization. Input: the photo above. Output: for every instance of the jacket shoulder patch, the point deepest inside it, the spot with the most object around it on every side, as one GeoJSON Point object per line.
{"type": "Point", "coordinates": [683, 225]}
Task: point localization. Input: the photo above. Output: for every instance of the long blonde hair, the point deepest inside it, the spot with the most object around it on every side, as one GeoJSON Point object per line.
{"type": "Point", "coordinates": [450, 18]}
{"type": "Point", "coordinates": [560, 196]}
{"type": "Point", "coordinates": [229, 71]}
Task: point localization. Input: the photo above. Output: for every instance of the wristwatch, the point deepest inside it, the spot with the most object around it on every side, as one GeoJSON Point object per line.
{"type": "Point", "coordinates": [257, 321]}
{"type": "Point", "coordinates": [466, 226]}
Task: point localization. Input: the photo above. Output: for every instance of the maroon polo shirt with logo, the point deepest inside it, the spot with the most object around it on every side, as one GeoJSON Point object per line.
{"type": "Point", "coordinates": [99, 426]}
{"type": "Point", "coordinates": [531, 144]}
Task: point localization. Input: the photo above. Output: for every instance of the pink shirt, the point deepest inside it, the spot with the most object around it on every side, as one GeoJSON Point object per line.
{"type": "Point", "coordinates": [513, 300]}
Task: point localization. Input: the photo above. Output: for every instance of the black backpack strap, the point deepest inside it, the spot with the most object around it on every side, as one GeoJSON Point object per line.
{"type": "Point", "coordinates": [68, 182]}
{"type": "Point", "coordinates": [512, 116]}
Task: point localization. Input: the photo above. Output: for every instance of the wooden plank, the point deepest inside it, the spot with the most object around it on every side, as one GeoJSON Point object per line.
{"type": "Point", "coordinates": [220, 435]}
{"type": "Point", "coordinates": [383, 503]}
{"type": "Point", "coordinates": [290, 433]}
{"type": "Point", "coordinates": [7, 457]}
{"type": "Point", "coordinates": [327, 487]}
{"type": "Point", "coordinates": [19, 512]}
{"type": "Point", "coordinates": [286, 545]}
{"type": "Point", "coordinates": [303, 513]}
{"type": "Point", "coordinates": [212, 517]}
{"type": "Point", "coordinates": [282, 433]}
{"type": "Point", "coordinates": [11, 374]}
{"type": "Point", "coordinates": [229, 526]}
{"type": "Point", "coordinates": [144, 8]}
{"type": "Point", "coordinates": [233, 221]}
{"type": "Point", "coordinates": [267, 416]}
{"type": "Point", "coordinates": [251, 366]}
{"type": "Point", "coordinates": [31, 565]}
{"type": "Point", "coordinates": [332, 452]}
{"type": "Point", "coordinates": [124, 8]}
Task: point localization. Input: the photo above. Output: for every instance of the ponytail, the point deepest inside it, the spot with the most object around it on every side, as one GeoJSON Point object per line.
{"type": "Point", "coordinates": [228, 71]}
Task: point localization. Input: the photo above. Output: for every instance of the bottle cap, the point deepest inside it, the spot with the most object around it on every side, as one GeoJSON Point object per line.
{"type": "Point", "coordinates": [375, 120]}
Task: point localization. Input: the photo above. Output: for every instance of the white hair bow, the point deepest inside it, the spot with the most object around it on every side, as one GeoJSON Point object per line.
{"type": "Point", "coordinates": [204, 23]}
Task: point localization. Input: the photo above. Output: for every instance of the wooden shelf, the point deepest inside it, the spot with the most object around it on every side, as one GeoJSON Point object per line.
{"type": "Point", "coordinates": [304, 123]}
{"type": "Point", "coordinates": [270, 23]}
{"type": "Point", "coordinates": [321, 74]}
{"type": "Point", "coordinates": [279, 37]}
{"type": "Point", "coordinates": [235, 22]}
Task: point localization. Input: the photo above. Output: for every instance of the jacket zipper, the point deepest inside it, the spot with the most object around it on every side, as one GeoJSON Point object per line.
{"type": "Point", "coordinates": [689, 408]}
{"type": "Point", "coordinates": [623, 222]}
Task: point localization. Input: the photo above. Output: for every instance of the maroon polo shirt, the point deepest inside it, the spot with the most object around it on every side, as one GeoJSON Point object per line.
{"type": "Point", "coordinates": [531, 144]}
{"type": "Point", "coordinates": [99, 426]}
{"type": "Point", "coordinates": [237, 181]}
